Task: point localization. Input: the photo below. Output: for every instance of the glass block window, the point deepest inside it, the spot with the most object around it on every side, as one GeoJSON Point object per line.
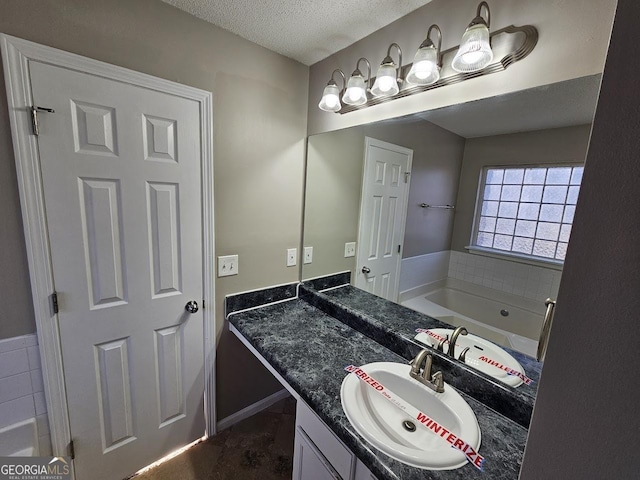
{"type": "Point", "coordinates": [528, 210]}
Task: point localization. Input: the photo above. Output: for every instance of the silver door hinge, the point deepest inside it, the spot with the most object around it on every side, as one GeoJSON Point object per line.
{"type": "Point", "coordinates": [72, 449]}
{"type": "Point", "coordinates": [34, 117]}
{"type": "Point", "coordinates": [406, 177]}
{"type": "Point", "coordinates": [54, 302]}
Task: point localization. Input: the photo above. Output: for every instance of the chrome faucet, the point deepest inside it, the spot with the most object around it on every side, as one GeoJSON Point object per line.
{"type": "Point", "coordinates": [454, 337]}
{"type": "Point", "coordinates": [434, 382]}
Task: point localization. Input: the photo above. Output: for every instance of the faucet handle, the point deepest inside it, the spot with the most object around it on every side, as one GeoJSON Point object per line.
{"type": "Point", "coordinates": [463, 355]}
{"type": "Point", "coordinates": [426, 373]}
{"type": "Point", "coordinates": [441, 343]}
{"type": "Point", "coordinates": [437, 380]}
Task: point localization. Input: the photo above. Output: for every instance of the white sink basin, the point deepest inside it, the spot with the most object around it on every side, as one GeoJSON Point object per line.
{"type": "Point", "coordinates": [380, 422]}
{"type": "Point", "coordinates": [482, 355]}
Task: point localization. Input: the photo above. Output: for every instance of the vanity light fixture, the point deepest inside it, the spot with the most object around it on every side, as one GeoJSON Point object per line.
{"type": "Point", "coordinates": [330, 101]}
{"type": "Point", "coordinates": [356, 91]}
{"type": "Point", "coordinates": [472, 58]}
{"type": "Point", "coordinates": [388, 76]}
{"type": "Point", "coordinates": [427, 61]}
{"type": "Point", "coordinates": [475, 48]}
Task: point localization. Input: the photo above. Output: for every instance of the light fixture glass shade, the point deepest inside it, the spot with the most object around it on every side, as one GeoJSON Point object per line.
{"type": "Point", "coordinates": [330, 101]}
{"type": "Point", "coordinates": [475, 50]}
{"type": "Point", "coordinates": [356, 91]}
{"type": "Point", "coordinates": [386, 84]}
{"type": "Point", "coordinates": [425, 69]}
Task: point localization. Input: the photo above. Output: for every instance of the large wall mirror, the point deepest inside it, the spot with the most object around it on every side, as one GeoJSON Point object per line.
{"type": "Point", "coordinates": [462, 213]}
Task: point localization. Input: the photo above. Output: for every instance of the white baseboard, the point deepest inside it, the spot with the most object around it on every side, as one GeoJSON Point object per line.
{"type": "Point", "coordinates": [252, 409]}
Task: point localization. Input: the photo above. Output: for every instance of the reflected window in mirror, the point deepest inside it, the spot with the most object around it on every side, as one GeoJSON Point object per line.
{"type": "Point", "coordinates": [527, 211]}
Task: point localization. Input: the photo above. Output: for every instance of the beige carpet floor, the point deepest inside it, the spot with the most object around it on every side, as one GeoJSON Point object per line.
{"type": "Point", "coordinates": [258, 448]}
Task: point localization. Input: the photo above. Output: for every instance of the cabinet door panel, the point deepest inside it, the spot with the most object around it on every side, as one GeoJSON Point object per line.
{"type": "Point", "coordinates": [336, 453]}
{"type": "Point", "coordinates": [308, 461]}
{"type": "Point", "coordinates": [363, 473]}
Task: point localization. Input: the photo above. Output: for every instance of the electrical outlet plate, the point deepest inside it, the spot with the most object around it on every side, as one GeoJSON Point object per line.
{"type": "Point", "coordinates": [308, 255]}
{"type": "Point", "coordinates": [292, 254]}
{"type": "Point", "coordinates": [227, 265]}
{"type": "Point", "coordinates": [349, 249]}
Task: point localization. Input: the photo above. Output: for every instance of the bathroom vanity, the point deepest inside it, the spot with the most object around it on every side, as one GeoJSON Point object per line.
{"type": "Point", "coordinates": [307, 349]}
{"type": "Point", "coordinates": [394, 326]}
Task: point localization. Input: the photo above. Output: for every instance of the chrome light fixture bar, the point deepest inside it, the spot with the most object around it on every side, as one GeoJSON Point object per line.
{"type": "Point", "coordinates": [425, 73]}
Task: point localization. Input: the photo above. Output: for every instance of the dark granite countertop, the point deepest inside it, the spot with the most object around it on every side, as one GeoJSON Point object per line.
{"type": "Point", "coordinates": [394, 326]}
{"type": "Point", "coordinates": [310, 349]}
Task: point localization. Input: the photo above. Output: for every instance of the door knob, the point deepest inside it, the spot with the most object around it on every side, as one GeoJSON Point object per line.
{"type": "Point", "coordinates": [366, 270]}
{"type": "Point", "coordinates": [191, 307]}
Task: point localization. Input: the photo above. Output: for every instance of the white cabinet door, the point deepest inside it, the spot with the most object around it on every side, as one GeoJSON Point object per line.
{"type": "Point", "coordinates": [333, 450]}
{"type": "Point", "coordinates": [121, 181]}
{"type": "Point", "coordinates": [363, 473]}
{"type": "Point", "coordinates": [308, 461]}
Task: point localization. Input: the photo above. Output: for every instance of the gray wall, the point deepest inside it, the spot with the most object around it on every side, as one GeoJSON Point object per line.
{"type": "Point", "coordinates": [259, 112]}
{"type": "Point", "coordinates": [559, 145]}
{"type": "Point", "coordinates": [332, 199]}
{"type": "Point", "coordinates": [16, 318]}
{"type": "Point", "coordinates": [334, 183]}
{"type": "Point", "coordinates": [585, 423]}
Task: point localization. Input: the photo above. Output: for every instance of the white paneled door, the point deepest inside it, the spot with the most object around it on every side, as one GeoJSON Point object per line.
{"type": "Point", "coordinates": [383, 211]}
{"type": "Point", "coordinates": [122, 192]}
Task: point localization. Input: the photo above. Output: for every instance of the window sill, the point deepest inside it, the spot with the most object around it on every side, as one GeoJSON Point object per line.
{"type": "Point", "coordinates": [515, 257]}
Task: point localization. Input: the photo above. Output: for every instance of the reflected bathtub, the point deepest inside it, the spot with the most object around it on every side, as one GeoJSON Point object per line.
{"type": "Point", "coordinates": [508, 320]}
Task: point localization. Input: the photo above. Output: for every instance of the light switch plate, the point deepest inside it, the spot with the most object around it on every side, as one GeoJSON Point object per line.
{"type": "Point", "coordinates": [349, 249]}
{"type": "Point", "coordinates": [292, 254]}
{"type": "Point", "coordinates": [227, 265]}
{"type": "Point", "coordinates": [308, 255]}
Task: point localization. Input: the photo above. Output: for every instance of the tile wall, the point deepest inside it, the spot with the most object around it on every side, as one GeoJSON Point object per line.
{"type": "Point", "coordinates": [21, 387]}
{"type": "Point", "coordinates": [530, 281]}
{"type": "Point", "coordinates": [423, 269]}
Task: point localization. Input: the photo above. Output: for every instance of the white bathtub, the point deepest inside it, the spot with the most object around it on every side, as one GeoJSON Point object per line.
{"type": "Point", "coordinates": [479, 309]}
{"type": "Point", "coordinates": [19, 439]}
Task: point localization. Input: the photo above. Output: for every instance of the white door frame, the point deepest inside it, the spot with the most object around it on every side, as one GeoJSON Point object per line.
{"type": "Point", "coordinates": [374, 142]}
{"type": "Point", "coordinates": [16, 54]}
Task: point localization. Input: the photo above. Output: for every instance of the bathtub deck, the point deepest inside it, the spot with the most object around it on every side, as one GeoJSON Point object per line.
{"type": "Point", "coordinates": [422, 304]}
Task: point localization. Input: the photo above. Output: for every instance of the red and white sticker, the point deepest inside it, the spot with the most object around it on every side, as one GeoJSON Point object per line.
{"type": "Point", "coordinates": [526, 380]}
{"type": "Point", "coordinates": [494, 363]}
{"type": "Point", "coordinates": [473, 457]}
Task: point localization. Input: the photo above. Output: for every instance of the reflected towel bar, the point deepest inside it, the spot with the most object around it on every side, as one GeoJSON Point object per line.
{"type": "Point", "coordinates": [446, 207]}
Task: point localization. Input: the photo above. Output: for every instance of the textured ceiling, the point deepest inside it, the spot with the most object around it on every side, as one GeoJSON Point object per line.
{"type": "Point", "coordinates": [305, 30]}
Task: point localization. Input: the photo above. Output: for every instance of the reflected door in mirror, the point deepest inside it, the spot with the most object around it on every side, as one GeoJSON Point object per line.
{"type": "Point", "coordinates": [383, 209]}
